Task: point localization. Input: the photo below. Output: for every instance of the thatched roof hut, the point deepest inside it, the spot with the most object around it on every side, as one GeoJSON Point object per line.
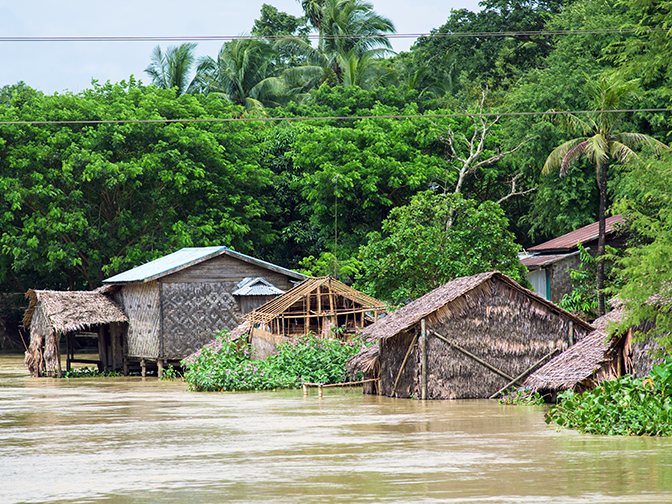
{"type": "Point", "coordinates": [482, 331]}
{"type": "Point", "coordinates": [596, 358]}
{"type": "Point", "coordinates": [51, 314]}
{"type": "Point", "coordinates": [317, 305]}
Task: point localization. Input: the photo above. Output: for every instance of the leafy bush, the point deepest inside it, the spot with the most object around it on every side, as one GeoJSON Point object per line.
{"type": "Point", "coordinates": [522, 397]}
{"type": "Point", "coordinates": [303, 359]}
{"type": "Point", "coordinates": [87, 372]}
{"type": "Point", "coordinates": [625, 406]}
{"type": "Point", "coordinates": [170, 373]}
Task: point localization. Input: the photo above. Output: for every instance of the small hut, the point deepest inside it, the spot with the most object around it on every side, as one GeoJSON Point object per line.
{"type": "Point", "coordinates": [481, 334]}
{"type": "Point", "coordinates": [596, 358]}
{"type": "Point", "coordinates": [52, 314]}
{"type": "Point", "coordinates": [176, 304]}
{"type": "Point", "coordinates": [317, 305]}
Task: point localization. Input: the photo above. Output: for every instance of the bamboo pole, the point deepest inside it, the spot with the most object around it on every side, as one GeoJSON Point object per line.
{"type": "Point", "coordinates": [469, 354]}
{"type": "Point", "coordinates": [423, 352]}
{"type": "Point", "coordinates": [403, 364]}
{"type": "Point", "coordinates": [524, 373]}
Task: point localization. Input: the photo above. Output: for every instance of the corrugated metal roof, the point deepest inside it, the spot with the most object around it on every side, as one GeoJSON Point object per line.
{"type": "Point", "coordinates": [185, 258]}
{"type": "Point", "coordinates": [256, 287]}
{"type": "Point", "coordinates": [585, 234]}
{"type": "Point", "coordinates": [539, 261]}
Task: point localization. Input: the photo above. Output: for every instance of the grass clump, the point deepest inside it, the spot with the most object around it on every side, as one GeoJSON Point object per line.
{"type": "Point", "coordinates": [626, 406]}
{"type": "Point", "coordinates": [302, 359]}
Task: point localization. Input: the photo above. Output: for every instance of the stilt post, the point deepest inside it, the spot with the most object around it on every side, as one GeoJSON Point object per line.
{"type": "Point", "coordinates": [423, 351]}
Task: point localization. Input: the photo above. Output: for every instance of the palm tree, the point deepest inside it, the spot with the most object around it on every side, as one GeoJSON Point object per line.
{"type": "Point", "coordinates": [172, 69]}
{"type": "Point", "coordinates": [242, 74]}
{"type": "Point", "coordinates": [601, 144]}
{"type": "Point", "coordinates": [351, 38]}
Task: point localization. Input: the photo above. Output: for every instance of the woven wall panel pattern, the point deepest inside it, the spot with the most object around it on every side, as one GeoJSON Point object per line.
{"type": "Point", "coordinates": [193, 313]}
{"type": "Point", "coordinates": [141, 305]}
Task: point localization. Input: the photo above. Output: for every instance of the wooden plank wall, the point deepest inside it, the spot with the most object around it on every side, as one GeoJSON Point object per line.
{"type": "Point", "coordinates": [227, 269]}
{"type": "Point", "coordinates": [140, 302]}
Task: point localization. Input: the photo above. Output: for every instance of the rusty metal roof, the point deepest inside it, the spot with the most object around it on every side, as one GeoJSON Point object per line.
{"type": "Point", "coordinates": [585, 234]}
{"type": "Point", "coordinates": [533, 262]}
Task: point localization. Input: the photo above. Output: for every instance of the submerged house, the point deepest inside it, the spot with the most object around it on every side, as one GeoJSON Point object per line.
{"type": "Point", "coordinates": [52, 314]}
{"type": "Point", "coordinates": [157, 313]}
{"type": "Point", "coordinates": [481, 334]}
{"type": "Point", "coordinates": [176, 303]}
{"type": "Point", "coordinates": [549, 262]}
{"type": "Point", "coordinates": [317, 305]}
{"type": "Point", "coordinates": [596, 358]}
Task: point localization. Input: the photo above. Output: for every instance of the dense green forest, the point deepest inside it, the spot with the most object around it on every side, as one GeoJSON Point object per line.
{"type": "Point", "coordinates": [394, 205]}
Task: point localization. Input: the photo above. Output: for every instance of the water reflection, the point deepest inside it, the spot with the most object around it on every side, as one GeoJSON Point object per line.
{"type": "Point", "coordinates": [124, 440]}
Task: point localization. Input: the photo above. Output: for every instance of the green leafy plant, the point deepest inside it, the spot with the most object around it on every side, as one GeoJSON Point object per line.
{"type": "Point", "coordinates": [522, 397]}
{"type": "Point", "coordinates": [625, 406]}
{"type": "Point", "coordinates": [87, 372]}
{"type": "Point", "coordinates": [297, 360]}
{"type": "Point", "coordinates": [170, 373]}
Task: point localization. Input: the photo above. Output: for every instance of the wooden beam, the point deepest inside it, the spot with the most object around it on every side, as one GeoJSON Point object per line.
{"type": "Point", "coordinates": [525, 373]}
{"type": "Point", "coordinates": [423, 353]}
{"type": "Point", "coordinates": [403, 364]}
{"type": "Point", "coordinates": [477, 359]}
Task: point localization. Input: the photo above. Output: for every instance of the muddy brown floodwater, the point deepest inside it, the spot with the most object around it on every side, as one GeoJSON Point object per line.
{"type": "Point", "coordinates": [137, 440]}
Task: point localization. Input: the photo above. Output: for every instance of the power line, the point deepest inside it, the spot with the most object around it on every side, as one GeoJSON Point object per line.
{"type": "Point", "coordinates": [203, 38]}
{"type": "Point", "coordinates": [329, 118]}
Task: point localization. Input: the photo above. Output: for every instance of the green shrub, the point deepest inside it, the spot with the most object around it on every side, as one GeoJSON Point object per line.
{"type": "Point", "coordinates": [625, 406]}
{"type": "Point", "coordinates": [522, 397]}
{"type": "Point", "coordinates": [87, 372]}
{"type": "Point", "coordinates": [303, 359]}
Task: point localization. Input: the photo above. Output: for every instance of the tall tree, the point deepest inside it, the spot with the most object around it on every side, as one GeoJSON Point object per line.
{"type": "Point", "coordinates": [173, 68]}
{"type": "Point", "coordinates": [601, 143]}
{"type": "Point", "coordinates": [242, 74]}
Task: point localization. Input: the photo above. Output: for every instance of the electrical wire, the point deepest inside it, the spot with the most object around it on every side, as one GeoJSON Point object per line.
{"type": "Point", "coordinates": [330, 118]}
{"type": "Point", "coordinates": [201, 38]}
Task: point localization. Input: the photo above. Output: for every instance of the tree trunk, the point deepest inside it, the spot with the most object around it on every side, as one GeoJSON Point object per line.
{"type": "Point", "coordinates": [602, 186]}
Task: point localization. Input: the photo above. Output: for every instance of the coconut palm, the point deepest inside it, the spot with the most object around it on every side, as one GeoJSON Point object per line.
{"type": "Point", "coordinates": [351, 38]}
{"type": "Point", "coordinates": [172, 68]}
{"type": "Point", "coordinates": [600, 143]}
{"type": "Point", "coordinates": [242, 74]}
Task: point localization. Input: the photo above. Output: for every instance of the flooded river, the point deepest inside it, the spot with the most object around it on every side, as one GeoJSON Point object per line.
{"type": "Point", "coordinates": [123, 440]}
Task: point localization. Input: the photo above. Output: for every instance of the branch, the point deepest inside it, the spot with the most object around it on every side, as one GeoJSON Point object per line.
{"type": "Point", "coordinates": [513, 191]}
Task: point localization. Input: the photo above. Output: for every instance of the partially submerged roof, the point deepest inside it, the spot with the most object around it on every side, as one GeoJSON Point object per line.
{"type": "Point", "coordinates": [534, 262]}
{"type": "Point", "coordinates": [69, 311]}
{"type": "Point", "coordinates": [411, 314]}
{"type": "Point", "coordinates": [580, 361]}
{"type": "Point", "coordinates": [256, 287]}
{"type": "Point", "coordinates": [569, 241]}
{"type": "Point", "coordinates": [282, 303]}
{"type": "Point", "coordinates": [185, 258]}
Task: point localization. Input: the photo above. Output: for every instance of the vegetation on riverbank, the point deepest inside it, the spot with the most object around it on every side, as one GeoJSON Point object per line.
{"type": "Point", "coordinates": [627, 406]}
{"type": "Point", "coordinates": [302, 359]}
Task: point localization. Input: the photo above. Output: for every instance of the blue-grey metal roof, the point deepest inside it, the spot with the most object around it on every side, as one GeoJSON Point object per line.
{"type": "Point", "coordinates": [185, 258]}
{"type": "Point", "coordinates": [256, 287]}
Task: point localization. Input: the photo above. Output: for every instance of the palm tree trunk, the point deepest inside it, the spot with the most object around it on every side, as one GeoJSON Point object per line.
{"type": "Point", "coordinates": [602, 186]}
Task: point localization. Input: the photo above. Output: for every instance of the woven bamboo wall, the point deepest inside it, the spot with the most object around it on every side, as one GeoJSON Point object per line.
{"type": "Point", "coordinates": [141, 305]}
{"type": "Point", "coordinates": [502, 326]}
{"type": "Point", "coordinates": [193, 312]}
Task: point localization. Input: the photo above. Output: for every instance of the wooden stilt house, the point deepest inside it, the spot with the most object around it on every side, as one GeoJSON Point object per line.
{"type": "Point", "coordinates": [177, 303]}
{"type": "Point", "coordinates": [52, 314]}
{"type": "Point", "coordinates": [470, 338]}
{"type": "Point", "coordinates": [318, 305]}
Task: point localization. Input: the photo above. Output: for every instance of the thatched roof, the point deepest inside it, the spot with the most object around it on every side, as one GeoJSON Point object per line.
{"type": "Point", "coordinates": [282, 303]}
{"type": "Point", "coordinates": [580, 361]}
{"type": "Point", "coordinates": [460, 288]}
{"type": "Point", "coordinates": [69, 311]}
{"type": "Point", "coordinates": [364, 360]}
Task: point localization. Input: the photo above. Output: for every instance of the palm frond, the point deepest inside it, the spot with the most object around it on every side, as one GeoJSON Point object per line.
{"type": "Point", "coordinates": [555, 158]}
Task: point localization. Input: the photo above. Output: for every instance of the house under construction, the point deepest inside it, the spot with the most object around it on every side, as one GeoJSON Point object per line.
{"type": "Point", "coordinates": [317, 305]}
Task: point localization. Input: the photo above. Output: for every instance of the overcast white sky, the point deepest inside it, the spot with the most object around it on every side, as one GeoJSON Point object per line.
{"type": "Point", "coordinates": [59, 66]}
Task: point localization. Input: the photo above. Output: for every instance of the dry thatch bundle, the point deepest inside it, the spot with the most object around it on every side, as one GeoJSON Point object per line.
{"type": "Point", "coordinates": [364, 361]}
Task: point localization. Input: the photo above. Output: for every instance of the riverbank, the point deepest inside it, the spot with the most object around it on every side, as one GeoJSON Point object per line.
{"type": "Point", "coordinates": [122, 440]}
